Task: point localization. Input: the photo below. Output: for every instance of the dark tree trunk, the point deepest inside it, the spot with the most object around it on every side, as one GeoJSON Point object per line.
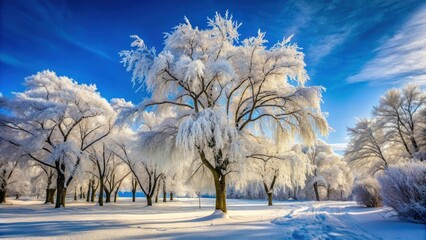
{"type": "Point", "coordinates": [108, 196]}
{"type": "Point", "coordinates": [164, 189]}
{"type": "Point", "coordinates": [50, 195]}
{"type": "Point", "coordinates": [88, 191]}
{"type": "Point", "coordinates": [156, 198]}
{"type": "Point", "coordinates": [101, 192]}
{"type": "Point", "coordinates": [2, 196]}
{"type": "Point", "coordinates": [133, 195]}
{"type": "Point", "coordinates": [220, 187]}
{"type": "Point", "coordinates": [148, 200]}
{"type": "Point", "coordinates": [75, 194]}
{"type": "Point", "coordinates": [171, 196]}
{"type": "Point", "coordinates": [269, 198]}
{"type": "Point", "coordinates": [116, 191]}
{"type": "Point", "coordinates": [134, 186]}
{"type": "Point", "coordinates": [317, 197]}
{"type": "Point", "coordinates": [115, 195]}
{"type": "Point", "coordinates": [60, 185]}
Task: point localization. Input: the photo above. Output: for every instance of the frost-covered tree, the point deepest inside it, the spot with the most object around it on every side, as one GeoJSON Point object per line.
{"type": "Point", "coordinates": [107, 167]}
{"type": "Point", "coordinates": [145, 173]}
{"type": "Point", "coordinates": [338, 177]}
{"type": "Point", "coordinates": [53, 122]}
{"type": "Point", "coordinates": [399, 114]}
{"type": "Point", "coordinates": [276, 167]}
{"type": "Point", "coordinates": [329, 171]}
{"type": "Point", "coordinates": [221, 90]}
{"type": "Point", "coordinates": [7, 177]}
{"type": "Point", "coordinates": [368, 147]}
{"type": "Point", "coordinates": [45, 176]}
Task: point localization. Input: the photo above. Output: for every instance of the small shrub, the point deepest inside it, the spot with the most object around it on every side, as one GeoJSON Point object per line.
{"type": "Point", "coordinates": [367, 193]}
{"type": "Point", "coordinates": [403, 188]}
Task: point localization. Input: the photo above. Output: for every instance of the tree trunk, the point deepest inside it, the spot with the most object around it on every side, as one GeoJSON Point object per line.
{"type": "Point", "coordinates": [2, 196]}
{"type": "Point", "coordinates": [328, 193]}
{"type": "Point", "coordinates": [134, 186]}
{"type": "Point", "coordinates": [47, 200]}
{"type": "Point", "coordinates": [148, 200]}
{"type": "Point", "coordinates": [316, 192]}
{"type": "Point", "coordinates": [133, 195]}
{"type": "Point", "coordinates": [52, 195]}
{"type": "Point", "coordinates": [220, 187]}
{"type": "Point", "coordinates": [88, 191]}
{"type": "Point", "coordinates": [295, 193]}
{"type": "Point", "coordinates": [92, 197]}
{"type": "Point", "coordinates": [101, 192]}
{"type": "Point", "coordinates": [108, 196]}
{"type": "Point", "coordinates": [157, 191]}
{"type": "Point", "coordinates": [60, 185]}
{"type": "Point", "coordinates": [81, 195]}
{"type": "Point", "coordinates": [116, 191]}
{"type": "Point", "coordinates": [171, 196]}
{"type": "Point", "coordinates": [269, 198]}
{"type": "Point", "coordinates": [75, 194]}
{"type": "Point", "coordinates": [164, 190]}
{"type": "Point", "coordinates": [115, 195]}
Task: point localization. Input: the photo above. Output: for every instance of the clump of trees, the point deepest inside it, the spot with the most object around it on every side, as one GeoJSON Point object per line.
{"type": "Point", "coordinates": [221, 111]}
{"type": "Point", "coordinates": [391, 146]}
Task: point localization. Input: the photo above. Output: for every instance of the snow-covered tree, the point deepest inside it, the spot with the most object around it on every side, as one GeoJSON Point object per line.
{"type": "Point", "coordinates": [368, 147]}
{"type": "Point", "coordinates": [276, 167]}
{"type": "Point", "coordinates": [53, 122]}
{"type": "Point", "coordinates": [222, 90]}
{"type": "Point", "coordinates": [109, 170]}
{"type": "Point", "coordinates": [399, 114]}
{"type": "Point", "coordinates": [329, 171]}
{"type": "Point", "coordinates": [145, 173]}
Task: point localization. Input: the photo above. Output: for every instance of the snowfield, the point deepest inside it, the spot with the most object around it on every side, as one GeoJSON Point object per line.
{"type": "Point", "coordinates": [182, 219]}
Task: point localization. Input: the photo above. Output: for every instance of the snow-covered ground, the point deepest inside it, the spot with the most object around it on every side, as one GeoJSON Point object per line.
{"type": "Point", "coordinates": [181, 219]}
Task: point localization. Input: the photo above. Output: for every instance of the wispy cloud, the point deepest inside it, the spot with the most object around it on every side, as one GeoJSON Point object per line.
{"type": "Point", "coordinates": [401, 58]}
{"type": "Point", "coordinates": [49, 26]}
{"type": "Point", "coordinates": [338, 147]}
{"type": "Point", "coordinates": [12, 61]}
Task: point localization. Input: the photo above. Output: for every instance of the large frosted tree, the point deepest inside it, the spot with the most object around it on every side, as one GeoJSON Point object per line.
{"type": "Point", "coordinates": [221, 91]}
{"type": "Point", "coordinates": [53, 122]}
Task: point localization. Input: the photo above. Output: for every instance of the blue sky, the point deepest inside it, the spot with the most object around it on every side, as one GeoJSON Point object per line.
{"type": "Point", "coordinates": [356, 49]}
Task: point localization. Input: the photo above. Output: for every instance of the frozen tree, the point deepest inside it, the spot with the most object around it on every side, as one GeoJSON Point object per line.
{"type": "Point", "coordinates": [329, 170]}
{"type": "Point", "coordinates": [398, 113]}
{"type": "Point", "coordinates": [46, 175]}
{"type": "Point", "coordinates": [338, 177]}
{"type": "Point", "coordinates": [145, 173]}
{"type": "Point", "coordinates": [221, 90]}
{"type": "Point", "coordinates": [368, 147]}
{"type": "Point", "coordinates": [276, 167]}
{"type": "Point", "coordinates": [7, 177]}
{"type": "Point", "coordinates": [109, 170]}
{"type": "Point", "coordinates": [53, 122]}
